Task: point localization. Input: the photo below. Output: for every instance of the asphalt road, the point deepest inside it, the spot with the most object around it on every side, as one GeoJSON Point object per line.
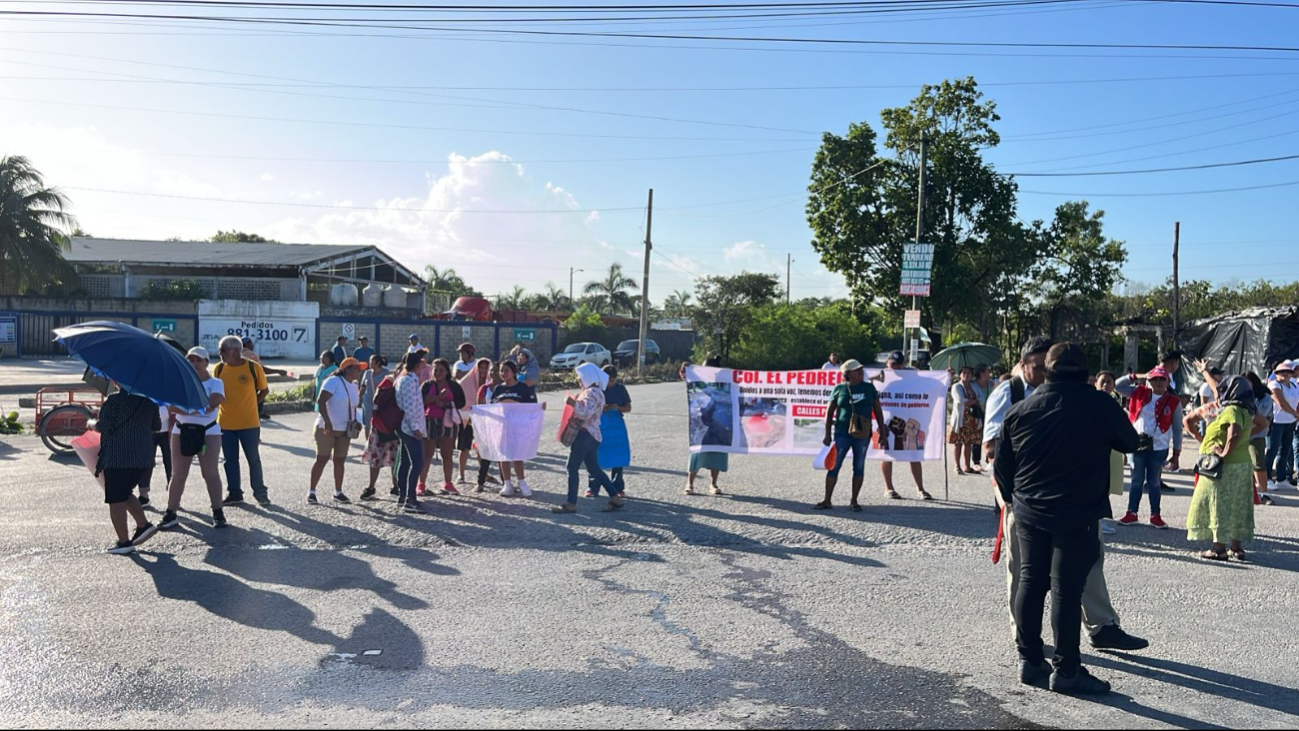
{"type": "Point", "coordinates": [748, 610]}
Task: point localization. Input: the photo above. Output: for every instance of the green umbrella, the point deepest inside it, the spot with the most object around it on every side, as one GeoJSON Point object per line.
{"type": "Point", "coordinates": [964, 355]}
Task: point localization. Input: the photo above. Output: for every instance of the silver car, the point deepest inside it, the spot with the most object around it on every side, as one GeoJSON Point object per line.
{"type": "Point", "coordinates": [578, 353]}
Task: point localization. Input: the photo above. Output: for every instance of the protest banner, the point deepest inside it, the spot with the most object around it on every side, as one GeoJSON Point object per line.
{"type": "Point", "coordinates": [783, 412]}
{"type": "Point", "coordinates": [508, 432]}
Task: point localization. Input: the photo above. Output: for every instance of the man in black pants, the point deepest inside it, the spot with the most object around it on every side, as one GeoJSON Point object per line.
{"type": "Point", "coordinates": [1052, 465]}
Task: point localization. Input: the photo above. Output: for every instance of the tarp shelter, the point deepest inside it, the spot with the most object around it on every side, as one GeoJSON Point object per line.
{"type": "Point", "coordinates": [1237, 342]}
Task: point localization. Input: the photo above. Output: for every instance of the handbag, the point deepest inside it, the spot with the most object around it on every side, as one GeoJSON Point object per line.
{"type": "Point", "coordinates": [1210, 465]}
{"type": "Point", "coordinates": [569, 427]}
{"type": "Point", "coordinates": [193, 438]}
{"type": "Point", "coordinates": [859, 427]}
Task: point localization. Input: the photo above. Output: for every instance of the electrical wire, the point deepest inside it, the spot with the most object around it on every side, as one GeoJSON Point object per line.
{"type": "Point", "coordinates": [1207, 166]}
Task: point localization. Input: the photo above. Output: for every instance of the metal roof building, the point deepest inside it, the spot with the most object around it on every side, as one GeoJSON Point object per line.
{"type": "Point", "coordinates": [241, 271]}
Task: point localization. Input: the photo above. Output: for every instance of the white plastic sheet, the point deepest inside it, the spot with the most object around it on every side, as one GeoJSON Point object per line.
{"type": "Point", "coordinates": [508, 432]}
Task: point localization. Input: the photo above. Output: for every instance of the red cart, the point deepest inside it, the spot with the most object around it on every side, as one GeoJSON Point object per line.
{"type": "Point", "coordinates": [64, 413]}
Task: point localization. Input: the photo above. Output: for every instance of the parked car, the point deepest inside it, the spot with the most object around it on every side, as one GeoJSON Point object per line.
{"type": "Point", "coordinates": [578, 353]}
{"type": "Point", "coordinates": [628, 351]}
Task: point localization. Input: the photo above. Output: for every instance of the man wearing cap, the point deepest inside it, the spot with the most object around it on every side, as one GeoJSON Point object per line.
{"type": "Point", "coordinates": [240, 418]}
{"type": "Point", "coordinates": [415, 345]}
{"type": "Point", "coordinates": [339, 398]}
{"type": "Point", "coordinates": [1152, 408]}
{"type": "Point", "coordinates": [363, 352]}
{"type": "Point", "coordinates": [1098, 613]}
{"type": "Point", "coordinates": [898, 362]}
{"type": "Point", "coordinates": [1280, 447]}
{"type": "Point", "coordinates": [466, 362]}
{"type": "Point", "coordinates": [1052, 467]}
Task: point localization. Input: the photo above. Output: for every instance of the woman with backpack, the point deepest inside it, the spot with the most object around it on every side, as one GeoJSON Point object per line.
{"type": "Point", "coordinates": [443, 400]}
{"type": "Point", "coordinates": [383, 445]}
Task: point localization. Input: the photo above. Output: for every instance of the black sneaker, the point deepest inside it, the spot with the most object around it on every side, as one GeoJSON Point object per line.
{"type": "Point", "coordinates": [394, 491]}
{"type": "Point", "coordinates": [233, 498]}
{"type": "Point", "coordinates": [311, 498]}
{"type": "Point", "coordinates": [144, 499]}
{"type": "Point", "coordinates": [1030, 674]}
{"type": "Point", "coordinates": [143, 533]}
{"type": "Point", "coordinates": [367, 493]}
{"type": "Point", "coordinates": [1080, 683]}
{"type": "Point", "coordinates": [413, 507]}
{"type": "Point", "coordinates": [341, 498]}
{"type": "Point", "coordinates": [1163, 487]}
{"type": "Point", "coordinates": [1266, 500]}
{"type": "Point", "coordinates": [219, 519]}
{"type": "Point", "coordinates": [122, 548]}
{"type": "Point", "coordinates": [169, 520]}
{"type": "Point", "coordinates": [1294, 482]}
{"type": "Point", "coordinates": [1112, 637]}
{"type": "Point", "coordinates": [262, 498]}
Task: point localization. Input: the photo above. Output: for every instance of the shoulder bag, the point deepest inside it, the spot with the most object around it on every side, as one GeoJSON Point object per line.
{"type": "Point", "coordinates": [859, 427]}
{"type": "Point", "coordinates": [1210, 465]}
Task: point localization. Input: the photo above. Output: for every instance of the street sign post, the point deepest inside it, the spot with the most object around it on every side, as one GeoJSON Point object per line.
{"type": "Point", "coordinates": [912, 319]}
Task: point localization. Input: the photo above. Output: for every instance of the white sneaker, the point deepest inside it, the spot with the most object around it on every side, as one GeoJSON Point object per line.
{"type": "Point", "coordinates": [1107, 527]}
{"type": "Point", "coordinates": [524, 490]}
{"type": "Point", "coordinates": [508, 490]}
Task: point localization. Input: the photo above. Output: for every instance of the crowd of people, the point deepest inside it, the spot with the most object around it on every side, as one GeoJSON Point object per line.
{"type": "Point", "coordinates": [410, 417]}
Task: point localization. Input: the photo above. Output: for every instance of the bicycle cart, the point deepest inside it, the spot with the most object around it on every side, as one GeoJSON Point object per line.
{"type": "Point", "coordinates": [64, 413]}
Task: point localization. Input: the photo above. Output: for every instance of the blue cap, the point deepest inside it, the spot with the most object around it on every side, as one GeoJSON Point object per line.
{"type": "Point", "coordinates": [413, 336]}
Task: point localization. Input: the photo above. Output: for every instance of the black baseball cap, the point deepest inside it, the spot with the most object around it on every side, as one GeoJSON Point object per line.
{"type": "Point", "coordinates": [897, 357]}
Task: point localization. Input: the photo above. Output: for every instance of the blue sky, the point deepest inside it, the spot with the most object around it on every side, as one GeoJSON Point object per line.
{"type": "Point", "coordinates": [99, 126]}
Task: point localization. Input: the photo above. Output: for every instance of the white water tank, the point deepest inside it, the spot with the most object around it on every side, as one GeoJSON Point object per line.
{"type": "Point", "coordinates": [394, 297]}
{"type": "Point", "coordinates": [343, 295]}
{"type": "Point", "coordinates": [372, 295]}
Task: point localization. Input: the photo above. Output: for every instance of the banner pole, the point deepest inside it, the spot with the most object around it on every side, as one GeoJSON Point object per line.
{"type": "Point", "coordinates": [946, 470]}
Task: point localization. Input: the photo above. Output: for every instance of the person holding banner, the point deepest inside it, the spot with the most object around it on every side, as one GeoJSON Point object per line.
{"type": "Point", "coordinates": [852, 405]}
{"type": "Point", "coordinates": [485, 397]}
{"type": "Point", "coordinates": [715, 462]}
{"type": "Point", "coordinates": [588, 407]}
{"type": "Point", "coordinates": [897, 362]}
{"type": "Point", "coordinates": [512, 391]}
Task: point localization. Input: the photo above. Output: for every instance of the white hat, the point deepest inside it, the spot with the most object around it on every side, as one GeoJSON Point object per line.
{"type": "Point", "coordinates": [198, 352]}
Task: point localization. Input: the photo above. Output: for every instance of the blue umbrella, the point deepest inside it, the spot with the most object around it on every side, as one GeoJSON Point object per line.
{"type": "Point", "coordinates": [141, 363]}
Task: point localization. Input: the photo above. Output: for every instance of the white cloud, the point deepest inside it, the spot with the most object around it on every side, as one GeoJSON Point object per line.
{"type": "Point", "coordinates": [439, 226]}
{"type": "Point", "coordinates": [745, 250]}
{"type": "Point", "coordinates": [268, 177]}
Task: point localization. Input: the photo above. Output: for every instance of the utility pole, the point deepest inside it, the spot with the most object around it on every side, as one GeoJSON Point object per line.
{"type": "Point", "coordinates": [570, 285]}
{"type": "Point", "coordinates": [1177, 286]}
{"type": "Point", "coordinates": [644, 290]}
{"type": "Point", "coordinates": [920, 226]}
{"type": "Point", "coordinates": [789, 262]}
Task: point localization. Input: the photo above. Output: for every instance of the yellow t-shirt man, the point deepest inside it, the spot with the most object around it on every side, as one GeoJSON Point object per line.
{"type": "Point", "coordinates": [242, 382]}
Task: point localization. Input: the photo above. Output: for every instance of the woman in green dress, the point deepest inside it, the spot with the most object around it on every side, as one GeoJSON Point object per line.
{"type": "Point", "coordinates": [1222, 508]}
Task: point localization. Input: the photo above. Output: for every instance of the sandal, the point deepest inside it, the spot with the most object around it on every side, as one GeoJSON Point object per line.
{"type": "Point", "coordinates": [960, 471]}
{"type": "Point", "coordinates": [1212, 555]}
{"type": "Point", "coordinates": [614, 504]}
{"type": "Point", "coordinates": [925, 496]}
{"type": "Point", "coordinates": [893, 494]}
{"type": "Point", "coordinates": [1237, 555]}
{"type": "Point", "coordinates": [690, 489]}
{"type": "Point", "coordinates": [823, 505]}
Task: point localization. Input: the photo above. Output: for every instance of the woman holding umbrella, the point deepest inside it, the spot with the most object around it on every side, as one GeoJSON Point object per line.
{"type": "Point", "coordinates": [197, 434]}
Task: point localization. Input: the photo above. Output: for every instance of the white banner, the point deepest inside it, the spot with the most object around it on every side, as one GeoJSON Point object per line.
{"type": "Point", "coordinates": [508, 432]}
{"type": "Point", "coordinates": [279, 329]}
{"type": "Point", "coordinates": [783, 412]}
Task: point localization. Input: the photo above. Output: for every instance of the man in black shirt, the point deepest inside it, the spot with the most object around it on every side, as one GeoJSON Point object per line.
{"type": "Point", "coordinates": [1052, 466]}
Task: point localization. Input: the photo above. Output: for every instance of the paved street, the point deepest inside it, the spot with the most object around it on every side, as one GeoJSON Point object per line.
{"type": "Point", "coordinates": [748, 610]}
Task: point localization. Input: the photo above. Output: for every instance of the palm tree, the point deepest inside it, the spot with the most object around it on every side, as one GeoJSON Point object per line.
{"type": "Point", "coordinates": [512, 300]}
{"type": "Point", "coordinates": [32, 226]}
{"type": "Point", "coordinates": [440, 280]}
{"type": "Point", "coordinates": [613, 290]}
{"type": "Point", "coordinates": [677, 304]}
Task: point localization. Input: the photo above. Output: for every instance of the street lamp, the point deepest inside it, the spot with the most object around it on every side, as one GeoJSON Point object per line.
{"type": "Point", "coordinates": [570, 284]}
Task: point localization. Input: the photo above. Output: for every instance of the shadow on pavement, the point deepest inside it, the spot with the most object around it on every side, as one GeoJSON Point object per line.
{"type": "Point", "coordinates": [1202, 680]}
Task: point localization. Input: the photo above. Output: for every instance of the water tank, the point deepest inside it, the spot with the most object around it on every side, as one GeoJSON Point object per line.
{"type": "Point", "coordinates": [394, 297]}
{"type": "Point", "coordinates": [372, 295]}
{"type": "Point", "coordinates": [343, 295]}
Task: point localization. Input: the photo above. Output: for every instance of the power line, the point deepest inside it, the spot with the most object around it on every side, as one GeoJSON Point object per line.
{"type": "Point", "coordinates": [1236, 163]}
{"type": "Point", "coordinates": [1161, 195]}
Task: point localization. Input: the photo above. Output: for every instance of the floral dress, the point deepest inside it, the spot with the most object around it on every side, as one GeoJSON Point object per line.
{"type": "Point", "coordinates": [967, 416]}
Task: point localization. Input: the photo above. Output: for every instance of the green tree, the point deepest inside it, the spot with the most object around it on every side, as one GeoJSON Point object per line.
{"type": "Point", "coordinates": [725, 307]}
{"type": "Point", "coordinates": [796, 337]}
{"type": "Point", "coordinates": [239, 237]}
{"type": "Point", "coordinates": [444, 286]}
{"type": "Point", "coordinates": [677, 304]}
{"type": "Point", "coordinates": [512, 300]}
{"type": "Point", "coordinates": [863, 208]}
{"type": "Point", "coordinates": [615, 291]}
{"type": "Point", "coordinates": [175, 289]}
{"type": "Point", "coordinates": [1076, 269]}
{"type": "Point", "coordinates": [584, 325]}
{"type": "Point", "coordinates": [553, 299]}
{"type": "Point", "coordinates": [32, 226]}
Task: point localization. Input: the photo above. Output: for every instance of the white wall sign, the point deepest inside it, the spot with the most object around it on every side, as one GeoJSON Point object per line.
{"type": "Point", "coordinates": [349, 331]}
{"type": "Point", "coordinates": [467, 331]}
{"type": "Point", "coordinates": [279, 329]}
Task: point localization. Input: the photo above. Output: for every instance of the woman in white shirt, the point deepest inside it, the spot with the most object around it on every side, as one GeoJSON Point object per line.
{"type": "Point", "coordinates": [183, 440]}
{"type": "Point", "coordinates": [1280, 450]}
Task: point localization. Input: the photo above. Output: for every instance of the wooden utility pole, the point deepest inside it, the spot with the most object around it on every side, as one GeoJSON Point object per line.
{"type": "Point", "coordinates": [644, 290]}
{"type": "Point", "coordinates": [920, 225]}
{"type": "Point", "coordinates": [1177, 285]}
